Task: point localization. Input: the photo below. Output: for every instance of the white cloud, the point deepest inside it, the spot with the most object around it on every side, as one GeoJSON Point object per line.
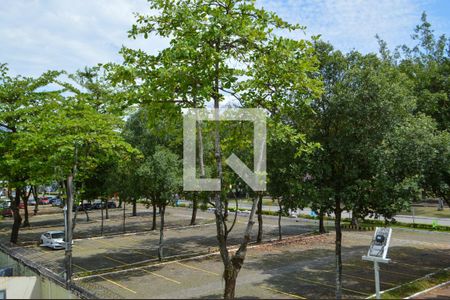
{"type": "Point", "coordinates": [36, 35]}
{"type": "Point", "coordinates": [62, 34]}
{"type": "Point", "coordinates": [350, 24]}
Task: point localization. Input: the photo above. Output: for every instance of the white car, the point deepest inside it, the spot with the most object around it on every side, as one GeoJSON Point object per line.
{"type": "Point", "coordinates": [53, 239]}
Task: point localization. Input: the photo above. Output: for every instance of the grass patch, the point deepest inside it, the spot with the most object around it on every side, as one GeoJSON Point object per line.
{"type": "Point", "coordinates": [416, 286]}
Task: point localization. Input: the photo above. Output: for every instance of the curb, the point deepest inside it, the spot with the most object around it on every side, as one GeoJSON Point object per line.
{"type": "Point", "coordinates": [429, 289]}
{"type": "Point", "coordinates": [415, 280]}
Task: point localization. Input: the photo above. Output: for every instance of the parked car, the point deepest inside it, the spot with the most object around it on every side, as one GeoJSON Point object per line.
{"type": "Point", "coordinates": [5, 209]}
{"type": "Point", "coordinates": [44, 200]}
{"type": "Point", "coordinates": [98, 204]}
{"type": "Point", "coordinates": [57, 202]}
{"type": "Point", "coordinates": [112, 204]}
{"type": "Point", "coordinates": [7, 212]}
{"type": "Point", "coordinates": [53, 239]}
{"type": "Point", "coordinates": [82, 207]}
{"type": "Point", "coordinates": [51, 199]}
{"type": "Point", "coordinates": [5, 204]}
{"type": "Point", "coordinates": [31, 202]}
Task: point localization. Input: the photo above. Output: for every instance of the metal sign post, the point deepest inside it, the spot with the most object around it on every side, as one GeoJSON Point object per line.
{"type": "Point", "coordinates": [378, 251]}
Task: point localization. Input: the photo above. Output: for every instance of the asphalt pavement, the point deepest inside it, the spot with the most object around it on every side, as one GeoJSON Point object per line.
{"type": "Point", "coordinates": [346, 214]}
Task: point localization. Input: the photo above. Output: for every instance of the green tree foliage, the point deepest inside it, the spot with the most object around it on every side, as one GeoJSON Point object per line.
{"type": "Point", "coordinates": [364, 100]}
{"type": "Point", "coordinates": [161, 174]}
{"type": "Point", "coordinates": [427, 64]}
{"type": "Point", "coordinates": [219, 48]}
{"type": "Point", "coordinates": [21, 99]}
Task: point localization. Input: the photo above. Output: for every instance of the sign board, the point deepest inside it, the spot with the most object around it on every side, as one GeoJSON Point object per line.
{"type": "Point", "coordinates": [380, 244]}
{"type": "Point", "coordinates": [377, 253]}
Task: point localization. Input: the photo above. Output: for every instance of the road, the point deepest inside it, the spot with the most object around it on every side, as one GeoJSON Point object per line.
{"type": "Point", "coordinates": [345, 214]}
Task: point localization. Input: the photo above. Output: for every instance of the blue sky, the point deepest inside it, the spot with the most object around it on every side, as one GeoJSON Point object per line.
{"type": "Point", "coordinates": [37, 35]}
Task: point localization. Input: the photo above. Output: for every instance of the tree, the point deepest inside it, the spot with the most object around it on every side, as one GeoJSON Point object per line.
{"type": "Point", "coordinates": [70, 145]}
{"type": "Point", "coordinates": [427, 65]}
{"type": "Point", "coordinates": [364, 100]}
{"type": "Point", "coordinates": [162, 173]}
{"type": "Point", "coordinates": [21, 99]}
{"type": "Point", "coordinates": [214, 44]}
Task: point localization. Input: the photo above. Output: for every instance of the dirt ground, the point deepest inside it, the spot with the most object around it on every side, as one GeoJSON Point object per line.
{"type": "Point", "coordinates": [300, 267]}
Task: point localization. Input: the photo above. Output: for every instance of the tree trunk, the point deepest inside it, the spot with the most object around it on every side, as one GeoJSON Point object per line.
{"type": "Point", "coordinates": [17, 218]}
{"type": "Point", "coordinates": [25, 197]}
{"type": "Point", "coordinates": [35, 196]}
{"type": "Point", "coordinates": [123, 225]}
{"type": "Point", "coordinates": [355, 217]}
{"type": "Point", "coordinates": [233, 267]}
{"type": "Point", "coordinates": [134, 207]}
{"type": "Point", "coordinates": [106, 209]}
{"type": "Point", "coordinates": [225, 213]}
{"type": "Point", "coordinates": [154, 216]}
{"type": "Point", "coordinates": [161, 234]}
{"type": "Point", "coordinates": [260, 219]}
{"type": "Point", "coordinates": [321, 223]}
{"type": "Point", "coordinates": [280, 212]}
{"type": "Point", "coordinates": [74, 223]}
{"type": "Point", "coordinates": [194, 208]}
{"type": "Point", "coordinates": [101, 227]}
{"type": "Point", "coordinates": [338, 257]}
{"type": "Point", "coordinates": [202, 166]}
{"type": "Point", "coordinates": [86, 213]}
{"type": "Point", "coordinates": [68, 229]}
{"type": "Point", "coordinates": [230, 274]}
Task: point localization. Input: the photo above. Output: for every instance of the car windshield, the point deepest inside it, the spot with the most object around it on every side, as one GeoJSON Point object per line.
{"type": "Point", "coordinates": [58, 235]}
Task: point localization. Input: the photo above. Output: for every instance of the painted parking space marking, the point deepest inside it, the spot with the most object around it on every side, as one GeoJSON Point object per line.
{"type": "Point", "coordinates": [397, 273]}
{"type": "Point", "coordinates": [356, 277]}
{"type": "Point", "coordinates": [161, 276]}
{"type": "Point", "coordinates": [283, 293]}
{"type": "Point", "coordinates": [115, 260]}
{"type": "Point", "coordinates": [384, 270]}
{"type": "Point", "coordinates": [132, 250]}
{"type": "Point", "coordinates": [109, 280]}
{"type": "Point", "coordinates": [331, 286]}
{"type": "Point", "coordinates": [147, 271]}
{"type": "Point", "coordinates": [195, 268]}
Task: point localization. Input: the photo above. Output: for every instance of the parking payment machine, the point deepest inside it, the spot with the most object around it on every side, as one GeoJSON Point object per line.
{"type": "Point", "coordinates": [378, 251]}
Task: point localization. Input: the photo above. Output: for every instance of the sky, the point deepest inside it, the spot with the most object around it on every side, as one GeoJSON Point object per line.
{"type": "Point", "coordinates": [38, 35]}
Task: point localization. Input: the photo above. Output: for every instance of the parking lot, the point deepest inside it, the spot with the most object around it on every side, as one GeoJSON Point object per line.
{"type": "Point", "coordinates": [125, 265]}
{"type": "Point", "coordinates": [300, 268]}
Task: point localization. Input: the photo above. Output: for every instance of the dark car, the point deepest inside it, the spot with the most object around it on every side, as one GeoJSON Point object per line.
{"type": "Point", "coordinates": [98, 205]}
{"type": "Point", "coordinates": [112, 204]}
{"type": "Point", "coordinates": [51, 199]}
{"type": "Point", "coordinates": [82, 207]}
